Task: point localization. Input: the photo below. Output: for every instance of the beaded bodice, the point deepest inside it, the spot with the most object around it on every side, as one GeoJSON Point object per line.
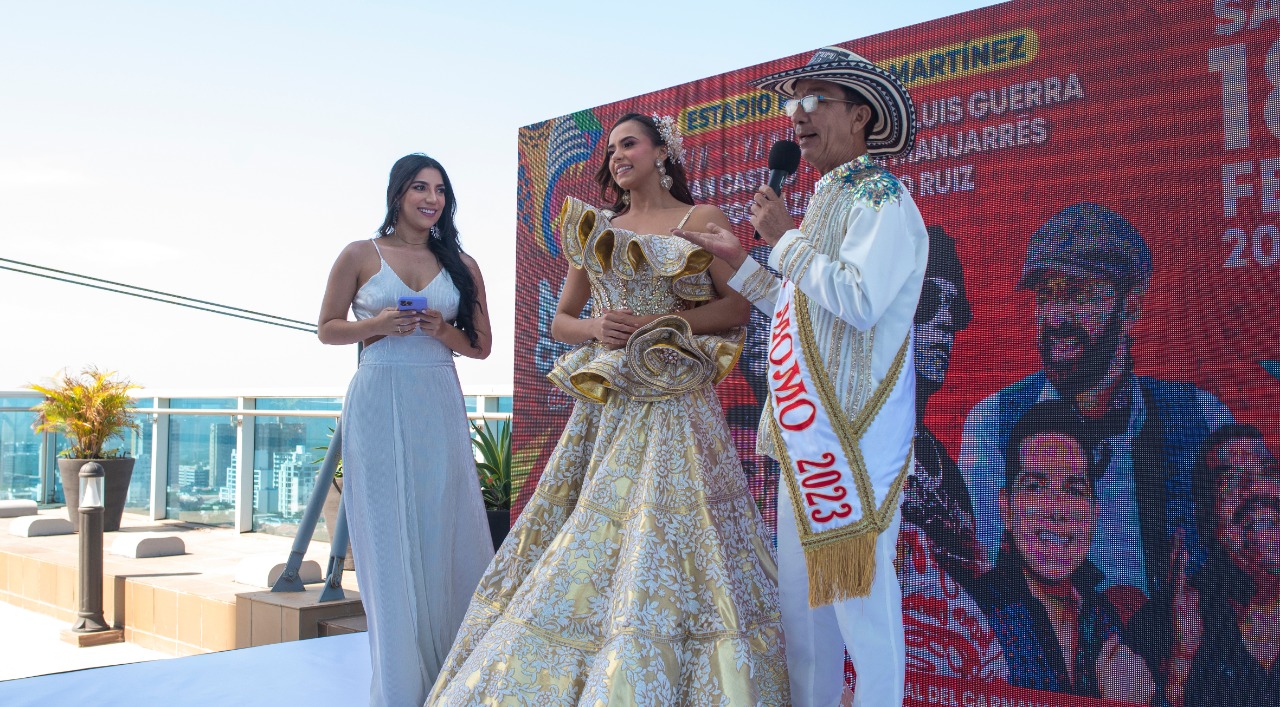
{"type": "Point", "coordinates": [645, 273]}
{"type": "Point", "coordinates": [648, 274]}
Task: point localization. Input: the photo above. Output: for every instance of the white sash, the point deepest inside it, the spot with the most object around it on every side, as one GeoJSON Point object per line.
{"type": "Point", "coordinates": [834, 498]}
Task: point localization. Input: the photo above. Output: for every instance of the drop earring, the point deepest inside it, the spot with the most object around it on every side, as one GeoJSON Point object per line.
{"type": "Point", "coordinates": [435, 232]}
{"type": "Point", "coordinates": [665, 180]}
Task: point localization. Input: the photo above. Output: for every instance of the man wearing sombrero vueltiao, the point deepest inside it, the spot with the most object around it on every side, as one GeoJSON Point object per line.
{"type": "Point", "coordinates": [841, 412]}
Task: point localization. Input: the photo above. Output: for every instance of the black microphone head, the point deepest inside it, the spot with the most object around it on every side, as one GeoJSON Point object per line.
{"type": "Point", "coordinates": [784, 156]}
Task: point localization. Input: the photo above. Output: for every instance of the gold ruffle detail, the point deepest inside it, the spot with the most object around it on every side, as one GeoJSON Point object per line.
{"type": "Point", "coordinates": [669, 257]}
{"type": "Point", "coordinates": [591, 243]}
{"type": "Point", "coordinates": [577, 223]}
{"type": "Point", "coordinates": [662, 359]}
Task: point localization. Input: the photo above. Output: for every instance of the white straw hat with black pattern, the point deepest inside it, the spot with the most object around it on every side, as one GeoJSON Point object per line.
{"type": "Point", "coordinates": [894, 131]}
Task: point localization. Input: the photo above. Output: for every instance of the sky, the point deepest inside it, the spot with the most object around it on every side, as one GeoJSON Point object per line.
{"type": "Point", "coordinates": [228, 151]}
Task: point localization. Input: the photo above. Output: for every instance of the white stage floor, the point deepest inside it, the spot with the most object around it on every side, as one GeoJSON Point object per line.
{"type": "Point", "coordinates": [319, 671]}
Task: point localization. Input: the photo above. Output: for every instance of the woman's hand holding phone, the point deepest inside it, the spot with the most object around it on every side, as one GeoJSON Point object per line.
{"type": "Point", "coordinates": [396, 322]}
{"type": "Point", "coordinates": [409, 310]}
{"type": "Point", "coordinates": [432, 323]}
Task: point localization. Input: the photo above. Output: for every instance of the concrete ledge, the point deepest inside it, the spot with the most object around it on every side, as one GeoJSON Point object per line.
{"type": "Point", "coordinates": [263, 618]}
{"type": "Point", "coordinates": [40, 526]}
{"type": "Point", "coordinates": [264, 570]}
{"type": "Point", "coordinates": [13, 509]}
{"type": "Point", "coordinates": [339, 627]}
{"type": "Point", "coordinates": [137, 545]}
{"type": "Point", "coordinates": [180, 605]}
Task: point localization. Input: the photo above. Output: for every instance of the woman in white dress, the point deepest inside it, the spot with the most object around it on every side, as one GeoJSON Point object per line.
{"type": "Point", "coordinates": [419, 535]}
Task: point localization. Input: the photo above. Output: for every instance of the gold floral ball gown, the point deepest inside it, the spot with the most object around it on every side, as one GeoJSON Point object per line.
{"type": "Point", "coordinates": [641, 572]}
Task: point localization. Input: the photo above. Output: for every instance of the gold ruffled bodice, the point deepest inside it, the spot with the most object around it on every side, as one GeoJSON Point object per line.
{"type": "Point", "coordinates": [648, 274]}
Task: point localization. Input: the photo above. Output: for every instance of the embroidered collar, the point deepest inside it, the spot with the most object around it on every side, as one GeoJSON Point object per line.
{"type": "Point", "coordinates": [849, 169]}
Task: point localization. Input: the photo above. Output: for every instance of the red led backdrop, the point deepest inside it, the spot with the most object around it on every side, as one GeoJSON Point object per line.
{"type": "Point", "coordinates": [1158, 126]}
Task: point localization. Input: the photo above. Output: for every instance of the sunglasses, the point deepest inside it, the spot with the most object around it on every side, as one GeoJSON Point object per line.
{"type": "Point", "coordinates": [1095, 297]}
{"type": "Point", "coordinates": [808, 103]}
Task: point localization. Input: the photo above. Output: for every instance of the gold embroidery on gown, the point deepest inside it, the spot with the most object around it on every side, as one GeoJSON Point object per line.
{"type": "Point", "coordinates": [641, 572]}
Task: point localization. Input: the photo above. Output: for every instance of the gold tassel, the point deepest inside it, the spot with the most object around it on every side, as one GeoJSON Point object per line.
{"type": "Point", "coordinates": [841, 570]}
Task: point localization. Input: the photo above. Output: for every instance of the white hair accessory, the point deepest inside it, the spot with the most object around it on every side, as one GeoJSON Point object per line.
{"type": "Point", "coordinates": [670, 133]}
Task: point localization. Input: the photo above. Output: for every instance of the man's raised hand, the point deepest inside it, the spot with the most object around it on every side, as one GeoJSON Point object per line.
{"type": "Point", "coordinates": [718, 241]}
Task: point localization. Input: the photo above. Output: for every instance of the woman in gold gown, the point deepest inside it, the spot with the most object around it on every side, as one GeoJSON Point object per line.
{"type": "Point", "coordinates": [641, 572]}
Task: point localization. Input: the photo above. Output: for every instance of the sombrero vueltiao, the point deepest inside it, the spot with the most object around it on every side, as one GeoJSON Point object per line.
{"type": "Point", "coordinates": [894, 131]}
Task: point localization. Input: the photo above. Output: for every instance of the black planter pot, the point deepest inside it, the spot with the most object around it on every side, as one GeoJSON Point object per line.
{"type": "Point", "coordinates": [117, 473]}
{"type": "Point", "coordinates": [499, 525]}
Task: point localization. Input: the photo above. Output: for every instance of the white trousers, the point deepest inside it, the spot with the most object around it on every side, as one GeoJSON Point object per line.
{"type": "Point", "coordinates": [870, 627]}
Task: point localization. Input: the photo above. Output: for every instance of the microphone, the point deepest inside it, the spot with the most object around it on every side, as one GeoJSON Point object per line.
{"type": "Point", "coordinates": [784, 160]}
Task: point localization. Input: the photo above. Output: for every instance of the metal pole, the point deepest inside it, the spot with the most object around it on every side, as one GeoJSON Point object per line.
{"type": "Point", "coordinates": [90, 618]}
{"type": "Point", "coordinates": [338, 539]}
{"type": "Point", "coordinates": [291, 579]}
{"type": "Point", "coordinates": [337, 558]}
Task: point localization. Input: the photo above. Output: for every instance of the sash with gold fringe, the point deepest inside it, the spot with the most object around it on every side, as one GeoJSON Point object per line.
{"type": "Point", "coordinates": [819, 448]}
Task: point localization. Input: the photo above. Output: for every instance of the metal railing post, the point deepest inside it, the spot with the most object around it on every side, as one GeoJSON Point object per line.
{"type": "Point", "coordinates": [291, 578]}
{"type": "Point", "coordinates": [246, 428]}
{"type": "Point", "coordinates": [160, 460]}
{"type": "Point", "coordinates": [48, 465]}
{"type": "Point", "coordinates": [337, 558]}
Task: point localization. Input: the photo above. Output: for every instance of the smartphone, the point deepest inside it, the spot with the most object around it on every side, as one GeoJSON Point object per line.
{"type": "Point", "coordinates": [414, 303]}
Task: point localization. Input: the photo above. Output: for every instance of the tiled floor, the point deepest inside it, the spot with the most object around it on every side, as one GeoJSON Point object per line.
{"type": "Point", "coordinates": [34, 646]}
{"type": "Point", "coordinates": [179, 605]}
{"type": "Point", "coordinates": [208, 568]}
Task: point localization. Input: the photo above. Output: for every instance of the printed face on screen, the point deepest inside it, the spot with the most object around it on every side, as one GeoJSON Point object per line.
{"type": "Point", "coordinates": [632, 155]}
{"type": "Point", "coordinates": [423, 200]}
{"type": "Point", "coordinates": [1049, 509]}
{"type": "Point", "coordinates": [1079, 328]}
{"type": "Point", "coordinates": [936, 325]}
{"type": "Point", "coordinates": [827, 135]}
{"type": "Point", "coordinates": [1258, 516]}
{"type": "Point", "coordinates": [1234, 463]}
{"type": "Point", "coordinates": [1260, 519]}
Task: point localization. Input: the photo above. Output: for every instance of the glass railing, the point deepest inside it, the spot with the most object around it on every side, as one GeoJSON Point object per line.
{"type": "Point", "coordinates": [244, 462]}
{"type": "Point", "coordinates": [27, 468]}
{"type": "Point", "coordinates": [22, 452]}
{"type": "Point", "coordinates": [288, 450]}
{"type": "Point", "coordinates": [197, 464]}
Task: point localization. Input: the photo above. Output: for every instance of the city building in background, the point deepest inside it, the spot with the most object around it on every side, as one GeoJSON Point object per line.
{"type": "Point", "coordinates": [195, 453]}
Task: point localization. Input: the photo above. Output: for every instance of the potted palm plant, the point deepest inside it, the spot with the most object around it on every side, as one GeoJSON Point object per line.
{"type": "Point", "coordinates": [494, 471]}
{"type": "Point", "coordinates": [90, 409]}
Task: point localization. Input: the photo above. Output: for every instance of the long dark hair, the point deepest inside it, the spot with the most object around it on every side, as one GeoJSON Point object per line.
{"type": "Point", "coordinates": [609, 189]}
{"type": "Point", "coordinates": [447, 248]}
